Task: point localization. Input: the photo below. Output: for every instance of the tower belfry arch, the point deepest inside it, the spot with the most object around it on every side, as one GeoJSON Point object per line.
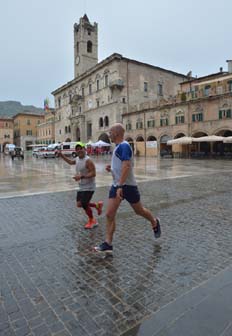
{"type": "Point", "coordinates": [85, 45]}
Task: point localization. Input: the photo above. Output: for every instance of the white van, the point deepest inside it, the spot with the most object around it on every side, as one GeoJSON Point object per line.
{"type": "Point", "coordinates": [68, 148]}
{"type": "Point", "coordinates": [9, 148]}
{"type": "Point", "coordinates": [52, 150]}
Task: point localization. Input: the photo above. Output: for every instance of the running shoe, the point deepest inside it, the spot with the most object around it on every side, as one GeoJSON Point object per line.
{"type": "Point", "coordinates": [157, 229]}
{"type": "Point", "coordinates": [104, 247]}
{"type": "Point", "coordinates": [91, 223]}
{"type": "Point", "coordinates": [99, 207]}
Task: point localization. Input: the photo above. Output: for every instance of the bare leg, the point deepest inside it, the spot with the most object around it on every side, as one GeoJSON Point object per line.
{"type": "Point", "coordinates": [112, 207]}
{"type": "Point", "coordinates": [141, 211]}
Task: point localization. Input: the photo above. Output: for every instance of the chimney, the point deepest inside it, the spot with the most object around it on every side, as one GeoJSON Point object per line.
{"type": "Point", "coordinates": [229, 66]}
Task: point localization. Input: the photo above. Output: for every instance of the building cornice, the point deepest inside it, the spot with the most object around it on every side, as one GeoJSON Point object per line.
{"type": "Point", "coordinates": [106, 61]}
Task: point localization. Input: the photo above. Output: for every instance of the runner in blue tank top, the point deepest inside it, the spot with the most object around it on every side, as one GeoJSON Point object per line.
{"type": "Point", "coordinates": [124, 187]}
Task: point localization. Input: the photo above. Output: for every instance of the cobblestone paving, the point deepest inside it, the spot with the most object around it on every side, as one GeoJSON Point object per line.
{"type": "Point", "coordinates": [52, 283]}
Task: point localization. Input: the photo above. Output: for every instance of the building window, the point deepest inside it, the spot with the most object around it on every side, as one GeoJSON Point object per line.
{"type": "Point", "coordinates": [145, 86]}
{"type": "Point", "coordinates": [83, 92]}
{"type": "Point", "coordinates": [90, 89]}
{"type": "Point", "coordinates": [179, 120]}
{"type": "Point", "coordinates": [89, 130]}
{"type": "Point", "coordinates": [160, 89]}
{"type": "Point", "coordinates": [89, 46]}
{"type": "Point", "coordinates": [106, 80]}
{"type": "Point", "coordinates": [28, 122]}
{"type": "Point", "coordinates": [151, 123]}
{"type": "Point", "coordinates": [98, 102]}
{"type": "Point", "coordinates": [207, 90]}
{"type": "Point", "coordinates": [224, 114]}
{"type": "Point", "coordinates": [139, 125]}
{"type": "Point", "coordinates": [106, 121]}
{"type": "Point", "coordinates": [59, 102]}
{"type": "Point", "coordinates": [230, 85]}
{"type": "Point", "coordinates": [128, 126]}
{"type": "Point", "coordinates": [124, 100]}
{"type": "Point", "coordinates": [164, 122]}
{"type": "Point", "coordinates": [29, 132]}
{"type": "Point", "coordinates": [80, 108]}
{"type": "Point", "coordinates": [101, 122]}
{"type": "Point", "coordinates": [98, 84]}
{"type": "Point", "coordinates": [197, 117]}
{"type": "Point", "coordinates": [89, 32]}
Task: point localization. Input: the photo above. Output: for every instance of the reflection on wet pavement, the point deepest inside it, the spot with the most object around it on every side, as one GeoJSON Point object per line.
{"type": "Point", "coordinates": [35, 176]}
{"type": "Point", "coordinates": [51, 281]}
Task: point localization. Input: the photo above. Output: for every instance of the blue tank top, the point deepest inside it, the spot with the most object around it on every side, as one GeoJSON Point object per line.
{"type": "Point", "coordinates": [122, 152]}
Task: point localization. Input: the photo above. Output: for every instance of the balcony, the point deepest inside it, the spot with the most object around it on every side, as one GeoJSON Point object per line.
{"type": "Point", "coordinates": [76, 98]}
{"type": "Point", "coordinates": [116, 84]}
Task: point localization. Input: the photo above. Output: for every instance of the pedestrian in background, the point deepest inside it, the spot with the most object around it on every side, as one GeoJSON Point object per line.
{"type": "Point", "coordinates": [85, 176]}
{"type": "Point", "coordinates": [124, 187]}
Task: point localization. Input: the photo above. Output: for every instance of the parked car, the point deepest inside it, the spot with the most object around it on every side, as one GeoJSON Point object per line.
{"type": "Point", "coordinates": [17, 152]}
{"type": "Point", "coordinates": [36, 150]}
{"type": "Point", "coordinates": [166, 153]}
{"type": "Point", "coordinates": [39, 151]}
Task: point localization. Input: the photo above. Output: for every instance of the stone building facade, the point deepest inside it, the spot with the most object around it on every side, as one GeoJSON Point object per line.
{"type": "Point", "coordinates": [46, 128]}
{"type": "Point", "coordinates": [6, 132]}
{"type": "Point", "coordinates": [154, 104]}
{"type": "Point", "coordinates": [25, 129]}
{"type": "Point", "coordinates": [102, 92]}
{"type": "Point", "coordinates": [202, 107]}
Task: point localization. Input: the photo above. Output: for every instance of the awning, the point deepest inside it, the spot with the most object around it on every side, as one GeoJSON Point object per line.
{"type": "Point", "coordinates": [100, 143]}
{"type": "Point", "coordinates": [181, 141]}
{"type": "Point", "coordinates": [208, 138]}
{"type": "Point", "coordinates": [227, 139]}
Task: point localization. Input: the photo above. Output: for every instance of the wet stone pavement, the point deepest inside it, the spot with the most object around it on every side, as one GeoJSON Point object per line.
{"type": "Point", "coordinates": [52, 283]}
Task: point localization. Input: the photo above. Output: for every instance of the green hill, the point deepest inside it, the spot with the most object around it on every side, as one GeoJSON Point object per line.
{"type": "Point", "coordinates": [11, 108]}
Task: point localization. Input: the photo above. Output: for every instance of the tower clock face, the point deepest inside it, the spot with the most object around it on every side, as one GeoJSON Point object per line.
{"type": "Point", "coordinates": [77, 60]}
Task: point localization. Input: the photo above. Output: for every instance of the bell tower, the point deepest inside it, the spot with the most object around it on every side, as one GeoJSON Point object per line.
{"type": "Point", "coordinates": [85, 45]}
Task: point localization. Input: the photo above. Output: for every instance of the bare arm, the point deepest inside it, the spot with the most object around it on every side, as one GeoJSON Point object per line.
{"type": "Point", "coordinates": [90, 166]}
{"type": "Point", "coordinates": [126, 165]}
{"type": "Point", "coordinates": [66, 159]}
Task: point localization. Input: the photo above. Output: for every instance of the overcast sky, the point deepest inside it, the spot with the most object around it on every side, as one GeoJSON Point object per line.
{"type": "Point", "coordinates": [36, 39]}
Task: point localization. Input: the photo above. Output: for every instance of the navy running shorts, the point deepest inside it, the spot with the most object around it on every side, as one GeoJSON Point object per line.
{"type": "Point", "coordinates": [84, 197]}
{"type": "Point", "coordinates": [130, 193]}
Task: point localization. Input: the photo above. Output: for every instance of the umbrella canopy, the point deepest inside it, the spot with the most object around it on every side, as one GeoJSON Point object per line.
{"type": "Point", "coordinates": [181, 141]}
{"type": "Point", "coordinates": [208, 138]}
{"type": "Point", "coordinates": [100, 143]}
{"type": "Point", "coordinates": [227, 139]}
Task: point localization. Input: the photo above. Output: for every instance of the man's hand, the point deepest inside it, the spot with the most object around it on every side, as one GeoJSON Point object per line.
{"type": "Point", "coordinates": [119, 193]}
{"type": "Point", "coordinates": [77, 177]}
{"type": "Point", "coordinates": [108, 168]}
